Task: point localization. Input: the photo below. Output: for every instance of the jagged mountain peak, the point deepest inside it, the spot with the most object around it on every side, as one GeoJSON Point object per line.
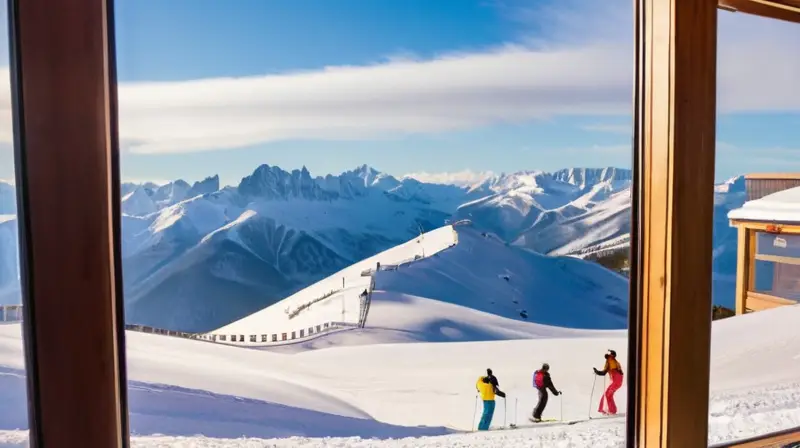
{"type": "Point", "coordinates": [587, 177]}
{"type": "Point", "coordinates": [733, 185]}
{"type": "Point", "coordinates": [139, 202]}
{"type": "Point", "coordinates": [208, 185]}
{"type": "Point", "coordinates": [272, 182]}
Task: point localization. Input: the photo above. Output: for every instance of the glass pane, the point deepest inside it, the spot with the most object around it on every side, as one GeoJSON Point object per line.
{"type": "Point", "coordinates": [758, 178]}
{"type": "Point", "coordinates": [777, 279]}
{"type": "Point", "coordinates": [356, 207]}
{"type": "Point", "coordinates": [13, 396]}
{"type": "Point", "coordinates": [780, 245]}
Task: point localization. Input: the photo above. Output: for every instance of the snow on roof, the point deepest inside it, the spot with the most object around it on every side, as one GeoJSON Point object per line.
{"type": "Point", "coordinates": [783, 206]}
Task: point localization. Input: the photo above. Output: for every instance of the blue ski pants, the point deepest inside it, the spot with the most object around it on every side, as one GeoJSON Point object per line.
{"type": "Point", "coordinates": [488, 413]}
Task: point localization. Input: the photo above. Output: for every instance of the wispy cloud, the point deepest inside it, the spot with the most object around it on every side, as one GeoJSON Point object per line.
{"type": "Point", "coordinates": [460, 178]}
{"type": "Point", "coordinates": [580, 63]}
{"type": "Point", "coordinates": [609, 128]}
{"type": "Point", "coordinates": [756, 156]}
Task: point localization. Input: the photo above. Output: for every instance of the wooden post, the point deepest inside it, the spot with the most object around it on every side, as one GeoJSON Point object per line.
{"type": "Point", "coordinates": [744, 268]}
{"type": "Point", "coordinates": [67, 177]}
{"type": "Point", "coordinates": [676, 114]}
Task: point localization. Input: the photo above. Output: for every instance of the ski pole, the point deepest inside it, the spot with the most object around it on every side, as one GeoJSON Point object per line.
{"type": "Point", "coordinates": [505, 412]}
{"type": "Point", "coordinates": [561, 405]}
{"type": "Point", "coordinates": [516, 410]}
{"type": "Point", "coordinates": [474, 411]}
{"type": "Point", "coordinates": [591, 397]}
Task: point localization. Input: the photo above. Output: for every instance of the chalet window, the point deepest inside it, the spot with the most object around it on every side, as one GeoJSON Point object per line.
{"type": "Point", "coordinates": [253, 338]}
{"type": "Point", "coordinates": [263, 338]}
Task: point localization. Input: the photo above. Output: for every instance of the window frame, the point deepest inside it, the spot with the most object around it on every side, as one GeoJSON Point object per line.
{"type": "Point", "coordinates": [74, 41]}
{"type": "Point", "coordinates": [63, 92]}
{"type": "Point", "coordinates": [672, 218]}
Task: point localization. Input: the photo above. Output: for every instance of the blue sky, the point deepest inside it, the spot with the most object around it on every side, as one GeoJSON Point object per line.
{"type": "Point", "coordinates": [443, 89]}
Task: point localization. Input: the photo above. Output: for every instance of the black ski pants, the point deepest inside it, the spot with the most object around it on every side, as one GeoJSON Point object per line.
{"type": "Point", "coordinates": [543, 396]}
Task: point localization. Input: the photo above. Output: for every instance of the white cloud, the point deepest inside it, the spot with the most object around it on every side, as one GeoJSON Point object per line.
{"type": "Point", "coordinates": [460, 178]}
{"type": "Point", "coordinates": [609, 128]}
{"type": "Point", "coordinates": [583, 67]}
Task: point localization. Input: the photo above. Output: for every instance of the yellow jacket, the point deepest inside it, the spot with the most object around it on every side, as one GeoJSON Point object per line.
{"type": "Point", "coordinates": [612, 364]}
{"type": "Point", "coordinates": [486, 390]}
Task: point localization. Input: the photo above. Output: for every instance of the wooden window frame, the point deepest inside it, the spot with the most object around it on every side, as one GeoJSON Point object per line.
{"type": "Point", "coordinates": [63, 89]}
{"type": "Point", "coordinates": [672, 219]}
{"type": "Point", "coordinates": [65, 122]}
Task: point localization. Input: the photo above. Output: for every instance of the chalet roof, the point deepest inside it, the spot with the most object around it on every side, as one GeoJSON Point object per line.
{"type": "Point", "coordinates": [783, 206]}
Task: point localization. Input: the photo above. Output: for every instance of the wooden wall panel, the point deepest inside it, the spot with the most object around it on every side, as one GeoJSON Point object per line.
{"type": "Point", "coordinates": [65, 176]}
{"type": "Point", "coordinates": [678, 76]}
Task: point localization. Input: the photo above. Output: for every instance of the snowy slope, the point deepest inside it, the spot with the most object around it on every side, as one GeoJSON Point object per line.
{"type": "Point", "coordinates": [531, 201]}
{"type": "Point", "coordinates": [410, 390]}
{"type": "Point", "coordinates": [138, 203]}
{"type": "Point", "coordinates": [605, 217]}
{"type": "Point", "coordinates": [400, 318]}
{"type": "Point", "coordinates": [485, 274]}
{"type": "Point", "coordinates": [347, 284]}
{"type": "Point", "coordinates": [463, 287]}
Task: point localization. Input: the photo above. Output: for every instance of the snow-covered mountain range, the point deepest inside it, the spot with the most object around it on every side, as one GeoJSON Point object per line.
{"type": "Point", "coordinates": [199, 256]}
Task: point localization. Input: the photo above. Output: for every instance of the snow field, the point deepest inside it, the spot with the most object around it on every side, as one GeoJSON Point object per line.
{"type": "Point", "coordinates": [417, 394]}
{"type": "Point", "coordinates": [275, 318]}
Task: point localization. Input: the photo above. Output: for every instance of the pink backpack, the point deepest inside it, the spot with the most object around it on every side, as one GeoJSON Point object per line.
{"type": "Point", "coordinates": [538, 379]}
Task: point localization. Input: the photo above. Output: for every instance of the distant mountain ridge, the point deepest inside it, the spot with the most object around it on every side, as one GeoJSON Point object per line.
{"type": "Point", "coordinates": [196, 256]}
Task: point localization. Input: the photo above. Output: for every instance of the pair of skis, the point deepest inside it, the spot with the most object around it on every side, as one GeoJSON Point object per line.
{"type": "Point", "coordinates": [556, 422]}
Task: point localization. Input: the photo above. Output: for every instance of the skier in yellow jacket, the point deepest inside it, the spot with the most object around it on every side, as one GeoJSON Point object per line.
{"type": "Point", "coordinates": [488, 387]}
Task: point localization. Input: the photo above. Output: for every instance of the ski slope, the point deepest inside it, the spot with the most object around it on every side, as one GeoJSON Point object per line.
{"type": "Point", "coordinates": [486, 274]}
{"type": "Point", "coordinates": [466, 284]}
{"type": "Point", "coordinates": [192, 393]}
{"type": "Point", "coordinates": [346, 285]}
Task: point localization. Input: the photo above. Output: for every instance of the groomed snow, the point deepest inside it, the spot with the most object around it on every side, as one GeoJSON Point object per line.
{"type": "Point", "coordinates": [783, 206]}
{"type": "Point", "coordinates": [483, 273]}
{"type": "Point", "coordinates": [348, 285]}
{"type": "Point", "coordinates": [416, 394]}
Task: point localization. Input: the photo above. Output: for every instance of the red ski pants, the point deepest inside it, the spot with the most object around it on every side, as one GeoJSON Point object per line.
{"type": "Point", "coordinates": [608, 397]}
